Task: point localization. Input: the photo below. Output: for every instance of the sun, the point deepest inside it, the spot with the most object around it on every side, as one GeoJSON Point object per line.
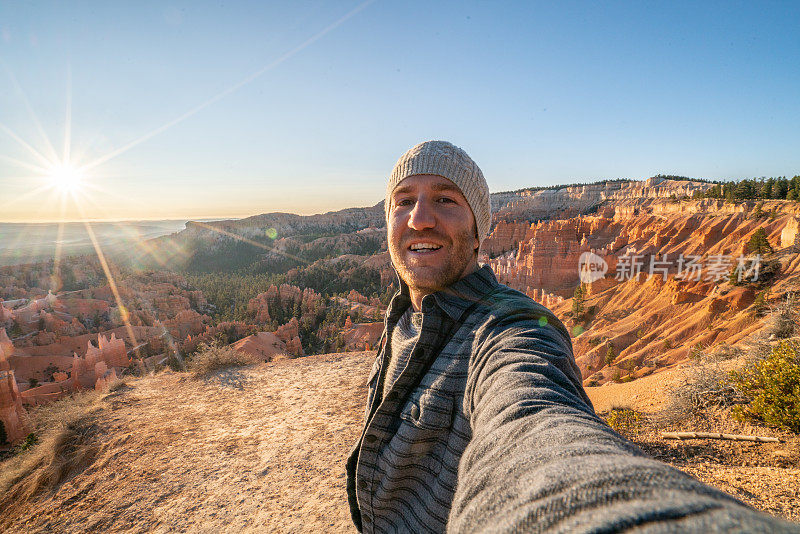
{"type": "Point", "coordinates": [65, 177]}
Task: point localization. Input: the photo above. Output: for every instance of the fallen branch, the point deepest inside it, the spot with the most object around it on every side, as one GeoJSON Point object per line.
{"type": "Point", "coordinates": [716, 435]}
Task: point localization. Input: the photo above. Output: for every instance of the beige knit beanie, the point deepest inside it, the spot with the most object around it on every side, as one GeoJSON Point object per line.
{"type": "Point", "coordinates": [445, 159]}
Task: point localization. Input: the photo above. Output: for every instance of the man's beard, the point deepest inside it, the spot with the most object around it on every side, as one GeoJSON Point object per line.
{"type": "Point", "coordinates": [429, 278]}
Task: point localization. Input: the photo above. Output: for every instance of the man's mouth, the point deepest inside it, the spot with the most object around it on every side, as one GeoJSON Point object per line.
{"type": "Point", "coordinates": [424, 248]}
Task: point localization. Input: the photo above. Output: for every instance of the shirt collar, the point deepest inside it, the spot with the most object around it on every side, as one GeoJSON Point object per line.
{"type": "Point", "coordinates": [453, 299]}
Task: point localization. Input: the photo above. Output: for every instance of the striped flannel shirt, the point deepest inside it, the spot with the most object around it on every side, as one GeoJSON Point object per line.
{"type": "Point", "coordinates": [488, 429]}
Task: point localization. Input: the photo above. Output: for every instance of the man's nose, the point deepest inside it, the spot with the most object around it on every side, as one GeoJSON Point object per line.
{"type": "Point", "coordinates": [421, 217]}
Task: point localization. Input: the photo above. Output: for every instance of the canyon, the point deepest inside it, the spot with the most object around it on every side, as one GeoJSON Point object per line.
{"type": "Point", "coordinates": [675, 277]}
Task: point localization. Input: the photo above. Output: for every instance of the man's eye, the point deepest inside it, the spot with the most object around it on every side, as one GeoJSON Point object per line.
{"type": "Point", "coordinates": [445, 200]}
{"type": "Point", "coordinates": [404, 202]}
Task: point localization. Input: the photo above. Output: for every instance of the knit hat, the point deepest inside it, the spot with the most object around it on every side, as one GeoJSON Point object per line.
{"type": "Point", "coordinates": [447, 160]}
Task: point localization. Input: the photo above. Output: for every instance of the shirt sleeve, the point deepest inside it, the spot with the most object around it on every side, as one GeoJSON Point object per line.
{"type": "Point", "coordinates": [540, 460]}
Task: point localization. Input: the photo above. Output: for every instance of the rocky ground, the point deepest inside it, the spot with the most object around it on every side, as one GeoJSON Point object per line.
{"type": "Point", "coordinates": [263, 449]}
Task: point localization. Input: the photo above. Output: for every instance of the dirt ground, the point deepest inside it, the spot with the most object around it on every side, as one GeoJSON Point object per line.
{"type": "Point", "coordinates": [258, 449]}
{"type": "Point", "coordinates": [764, 475]}
{"type": "Point", "coordinates": [263, 449]}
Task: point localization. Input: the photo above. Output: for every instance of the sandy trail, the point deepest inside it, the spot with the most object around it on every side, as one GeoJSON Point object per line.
{"type": "Point", "coordinates": [258, 449]}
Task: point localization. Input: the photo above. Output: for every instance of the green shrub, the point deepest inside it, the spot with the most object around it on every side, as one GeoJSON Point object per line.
{"type": "Point", "coordinates": [773, 387]}
{"type": "Point", "coordinates": [29, 441]}
{"type": "Point", "coordinates": [624, 420]}
{"type": "Point", "coordinates": [760, 306]}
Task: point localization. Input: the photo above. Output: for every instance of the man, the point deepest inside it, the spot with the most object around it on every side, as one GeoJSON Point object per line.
{"type": "Point", "coordinates": [476, 416]}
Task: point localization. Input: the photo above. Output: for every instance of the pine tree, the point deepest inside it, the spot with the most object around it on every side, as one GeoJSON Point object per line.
{"type": "Point", "coordinates": [744, 189]}
{"type": "Point", "coordinates": [778, 191]}
{"type": "Point", "coordinates": [610, 354]}
{"type": "Point", "coordinates": [759, 243]}
{"type": "Point", "coordinates": [794, 183]}
{"type": "Point", "coordinates": [728, 193]}
{"type": "Point", "coordinates": [758, 212]}
{"type": "Point", "coordinates": [578, 299]}
{"type": "Point", "coordinates": [764, 190]}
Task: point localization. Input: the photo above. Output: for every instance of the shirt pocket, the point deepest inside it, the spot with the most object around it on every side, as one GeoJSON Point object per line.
{"type": "Point", "coordinates": [433, 411]}
{"type": "Point", "coordinates": [425, 425]}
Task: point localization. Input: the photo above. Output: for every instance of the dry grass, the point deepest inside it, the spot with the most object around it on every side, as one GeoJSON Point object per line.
{"type": "Point", "coordinates": [211, 358]}
{"type": "Point", "coordinates": [784, 321]}
{"type": "Point", "coordinates": [64, 446]}
{"type": "Point", "coordinates": [705, 385]}
{"type": "Point", "coordinates": [117, 385]}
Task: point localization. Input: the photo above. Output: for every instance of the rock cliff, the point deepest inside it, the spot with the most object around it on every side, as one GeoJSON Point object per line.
{"type": "Point", "coordinates": [678, 275]}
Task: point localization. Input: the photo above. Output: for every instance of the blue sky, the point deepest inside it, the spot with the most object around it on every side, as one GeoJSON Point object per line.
{"type": "Point", "coordinates": [538, 93]}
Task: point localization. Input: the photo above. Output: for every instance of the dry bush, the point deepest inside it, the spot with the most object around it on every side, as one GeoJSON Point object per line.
{"type": "Point", "coordinates": [784, 320]}
{"type": "Point", "coordinates": [727, 352]}
{"type": "Point", "coordinates": [211, 358]}
{"type": "Point", "coordinates": [706, 385]}
{"type": "Point", "coordinates": [62, 445]}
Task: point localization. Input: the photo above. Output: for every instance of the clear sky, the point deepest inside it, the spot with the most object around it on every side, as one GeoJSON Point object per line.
{"type": "Point", "coordinates": [200, 109]}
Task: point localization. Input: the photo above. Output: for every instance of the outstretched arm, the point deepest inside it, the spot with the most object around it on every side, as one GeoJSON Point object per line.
{"type": "Point", "coordinates": [541, 460]}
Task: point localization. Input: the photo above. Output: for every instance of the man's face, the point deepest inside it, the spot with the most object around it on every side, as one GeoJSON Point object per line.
{"type": "Point", "coordinates": [431, 233]}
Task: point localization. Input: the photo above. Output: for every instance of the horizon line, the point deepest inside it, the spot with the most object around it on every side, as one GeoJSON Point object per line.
{"type": "Point", "coordinates": [245, 216]}
{"type": "Point", "coordinates": [126, 219]}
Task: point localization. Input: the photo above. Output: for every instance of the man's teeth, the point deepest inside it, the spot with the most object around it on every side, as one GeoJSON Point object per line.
{"type": "Point", "coordinates": [425, 246]}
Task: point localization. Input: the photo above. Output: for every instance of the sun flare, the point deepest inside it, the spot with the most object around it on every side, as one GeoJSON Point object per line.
{"type": "Point", "coordinates": [65, 177]}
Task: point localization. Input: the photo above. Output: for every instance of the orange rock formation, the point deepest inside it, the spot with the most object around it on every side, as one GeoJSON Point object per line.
{"type": "Point", "coordinates": [264, 345]}
{"type": "Point", "coordinates": [362, 336]}
{"type": "Point", "coordinates": [12, 414]}
{"type": "Point", "coordinates": [646, 321]}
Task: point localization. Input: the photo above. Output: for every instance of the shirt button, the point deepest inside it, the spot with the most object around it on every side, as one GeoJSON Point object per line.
{"type": "Point", "coordinates": [369, 438]}
{"type": "Point", "coordinates": [363, 484]}
{"type": "Point", "coordinates": [415, 412]}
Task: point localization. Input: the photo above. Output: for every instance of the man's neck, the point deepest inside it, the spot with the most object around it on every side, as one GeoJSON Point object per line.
{"type": "Point", "coordinates": [416, 298]}
{"type": "Point", "coordinates": [417, 294]}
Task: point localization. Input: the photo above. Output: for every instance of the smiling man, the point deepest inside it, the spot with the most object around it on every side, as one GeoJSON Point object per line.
{"type": "Point", "coordinates": [433, 238]}
{"type": "Point", "coordinates": [476, 419]}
